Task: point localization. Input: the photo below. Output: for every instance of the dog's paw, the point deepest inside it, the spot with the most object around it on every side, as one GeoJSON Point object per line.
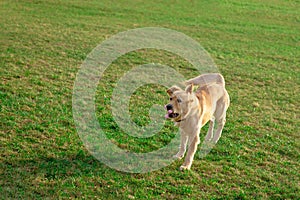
{"type": "Point", "coordinates": [184, 167]}
{"type": "Point", "coordinates": [178, 156]}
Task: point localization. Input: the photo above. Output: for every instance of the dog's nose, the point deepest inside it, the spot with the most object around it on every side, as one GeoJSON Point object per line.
{"type": "Point", "coordinates": [169, 107]}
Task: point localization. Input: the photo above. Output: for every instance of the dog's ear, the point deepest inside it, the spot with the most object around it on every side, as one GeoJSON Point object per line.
{"type": "Point", "coordinates": [189, 88]}
{"type": "Point", "coordinates": [172, 89]}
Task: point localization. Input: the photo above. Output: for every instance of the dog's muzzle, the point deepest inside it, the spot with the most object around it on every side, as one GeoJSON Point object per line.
{"type": "Point", "coordinates": [170, 113]}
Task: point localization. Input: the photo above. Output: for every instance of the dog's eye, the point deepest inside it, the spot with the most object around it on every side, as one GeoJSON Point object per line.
{"type": "Point", "coordinates": [179, 100]}
{"type": "Point", "coordinates": [171, 98]}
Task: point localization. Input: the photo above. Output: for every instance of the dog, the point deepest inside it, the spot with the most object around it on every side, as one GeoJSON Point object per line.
{"type": "Point", "coordinates": [192, 110]}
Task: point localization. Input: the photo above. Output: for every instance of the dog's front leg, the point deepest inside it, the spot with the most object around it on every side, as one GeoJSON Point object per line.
{"type": "Point", "coordinates": [182, 148]}
{"type": "Point", "coordinates": [191, 152]}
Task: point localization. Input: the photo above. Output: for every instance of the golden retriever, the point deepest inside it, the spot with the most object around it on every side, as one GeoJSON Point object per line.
{"type": "Point", "coordinates": [192, 110]}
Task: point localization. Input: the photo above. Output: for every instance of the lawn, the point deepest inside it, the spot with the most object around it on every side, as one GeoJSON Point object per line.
{"type": "Point", "coordinates": [255, 45]}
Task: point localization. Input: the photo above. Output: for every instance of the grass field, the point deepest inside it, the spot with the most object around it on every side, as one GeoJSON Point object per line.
{"type": "Point", "coordinates": [255, 45]}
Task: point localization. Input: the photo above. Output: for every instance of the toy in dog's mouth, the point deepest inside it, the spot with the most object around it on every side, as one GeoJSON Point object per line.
{"type": "Point", "coordinates": [171, 114]}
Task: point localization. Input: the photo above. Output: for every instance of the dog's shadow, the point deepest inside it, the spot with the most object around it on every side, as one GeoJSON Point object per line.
{"type": "Point", "coordinates": [20, 176]}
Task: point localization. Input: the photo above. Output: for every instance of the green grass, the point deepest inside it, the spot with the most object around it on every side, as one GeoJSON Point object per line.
{"type": "Point", "coordinates": [42, 45]}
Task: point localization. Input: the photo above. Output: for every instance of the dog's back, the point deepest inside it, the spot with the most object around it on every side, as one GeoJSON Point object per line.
{"type": "Point", "coordinates": [213, 86]}
{"type": "Point", "coordinates": [206, 79]}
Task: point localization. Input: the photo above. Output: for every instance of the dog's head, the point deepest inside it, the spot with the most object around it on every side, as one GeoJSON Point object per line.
{"type": "Point", "coordinates": [179, 104]}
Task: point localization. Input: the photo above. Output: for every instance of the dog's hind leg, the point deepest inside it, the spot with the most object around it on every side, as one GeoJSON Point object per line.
{"type": "Point", "coordinates": [220, 116]}
{"type": "Point", "coordinates": [209, 134]}
{"type": "Point", "coordinates": [218, 133]}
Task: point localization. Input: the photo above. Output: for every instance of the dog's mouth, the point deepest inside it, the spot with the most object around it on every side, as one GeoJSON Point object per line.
{"type": "Point", "coordinates": [171, 114]}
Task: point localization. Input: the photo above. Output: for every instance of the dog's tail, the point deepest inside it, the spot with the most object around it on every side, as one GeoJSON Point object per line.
{"type": "Point", "coordinates": [206, 79]}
